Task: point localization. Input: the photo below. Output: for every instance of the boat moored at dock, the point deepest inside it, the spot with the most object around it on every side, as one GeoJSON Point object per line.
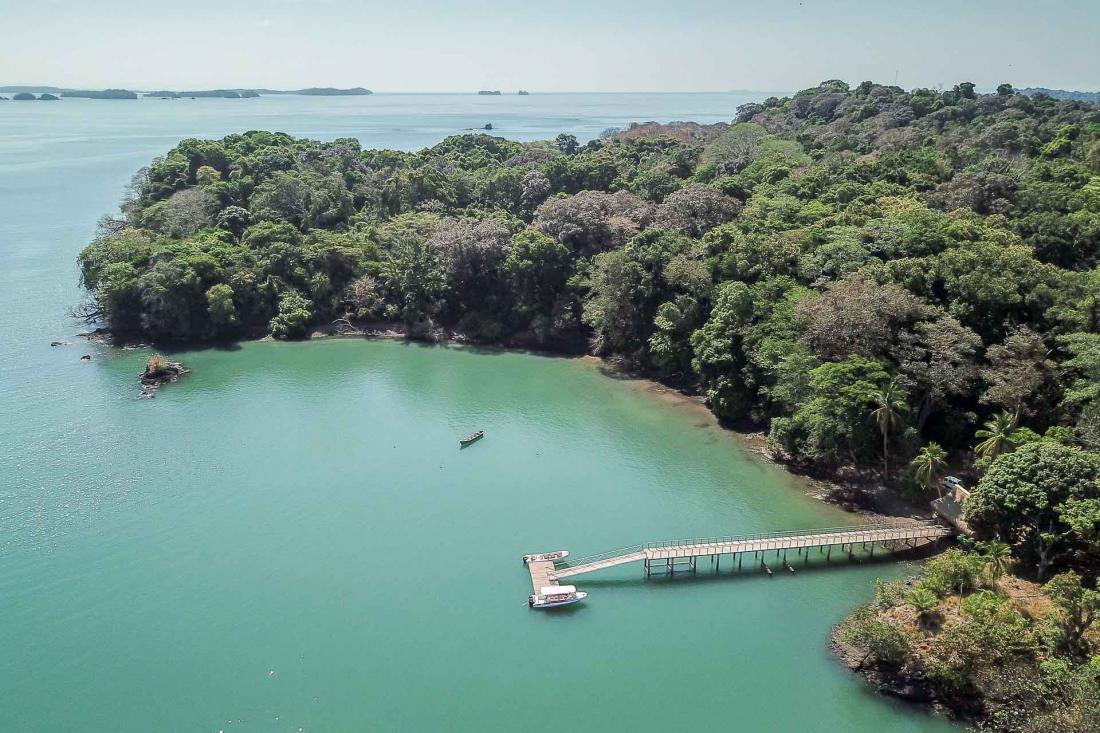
{"type": "Point", "coordinates": [551, 596]}
{"type": "Point", "coordinates": [545, 556]}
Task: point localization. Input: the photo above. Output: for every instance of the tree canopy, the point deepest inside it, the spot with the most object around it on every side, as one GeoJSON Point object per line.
{"type": "Point", "coordinates": [863, 270]}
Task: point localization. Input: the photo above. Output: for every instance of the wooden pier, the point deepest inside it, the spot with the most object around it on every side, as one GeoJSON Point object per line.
{"type": "Point", "coordinates": [669, 556]}
{"type": "Point", "coordinates": [540, 574]}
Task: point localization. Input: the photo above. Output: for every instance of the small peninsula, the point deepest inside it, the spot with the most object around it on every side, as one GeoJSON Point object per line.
{"type": "Point", "coordinates": [971, 639]}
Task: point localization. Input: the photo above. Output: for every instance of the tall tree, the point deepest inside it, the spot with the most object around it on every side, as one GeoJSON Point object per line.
{"type": "Point", "coordinates": [997, 437]}
{"type": "Point", "coordinates": [856, 316]}
{"type": "Point", "coordinates": [998, 559]}
{"type": "Point", "coordinates": [930, 466]}
{"type": "Point", "coordinates": [890, 407]}
{"type": "Point", "coordinates": [1017, 369]}
{"type": "Point", "coordinates": [1076, 608]}
{"type": "Point", "coordinates": [937, 357]}
{"type": "Point", "coordinates": [1028, 498]}
{"type": "Point", "coordinates": [414, 273]}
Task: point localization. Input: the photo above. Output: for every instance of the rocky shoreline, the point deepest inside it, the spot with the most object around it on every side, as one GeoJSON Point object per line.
{"type": "Point", "coordinates": [894, 681]}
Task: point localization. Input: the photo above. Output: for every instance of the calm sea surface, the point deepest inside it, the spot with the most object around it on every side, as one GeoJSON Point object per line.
{"type": "Point", "coordinates": [290, 540]}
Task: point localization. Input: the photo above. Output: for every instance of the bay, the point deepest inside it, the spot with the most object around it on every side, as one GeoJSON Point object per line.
{"type": "Point", "coordinates": [290, 538]}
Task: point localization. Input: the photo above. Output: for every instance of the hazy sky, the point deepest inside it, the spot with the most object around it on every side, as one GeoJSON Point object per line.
{"type": "Point", "coordinates": [554, 45]}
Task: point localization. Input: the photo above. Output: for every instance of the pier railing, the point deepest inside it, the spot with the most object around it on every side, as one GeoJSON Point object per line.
{"type": "Point", "coordinates": [853, 533]}
{"type": "Point", "coordinates": [786, 534]}
{"type": "Point", "coordinates": [599, 556]}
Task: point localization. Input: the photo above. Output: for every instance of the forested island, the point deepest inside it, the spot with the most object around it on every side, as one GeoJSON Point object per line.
{"type": "Point", "coordinates": [25, 92]}
{"type": "Point", "coordinates": [105, 94]}
{"type": "Point", "coordinates": [1063, 94]}
{"type": "Point", "coordinates": [206, 93]}
{"type": "Point", "coordinates": [28, 97]}
{"type": "Point", "coordinates": [323, 92]}
{"type": "Point", "coordinates": [893, 284]}
{"type": "Point", "coordinates": [252, 93]}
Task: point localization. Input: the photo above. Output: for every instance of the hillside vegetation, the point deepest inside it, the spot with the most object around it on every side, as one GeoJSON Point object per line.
{"type": "Point", "coordinates": [875, 274]}
{"type": "Point", "coordinates": [988, 647]}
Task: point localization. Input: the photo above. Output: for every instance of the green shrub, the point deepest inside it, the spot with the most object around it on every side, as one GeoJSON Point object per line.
{"type": "Point", "coordinates": [879, 639]}
{"type": "Point", "coordinates": [293, 316]}
{"type": "Point", "coordinates": [953, 571]}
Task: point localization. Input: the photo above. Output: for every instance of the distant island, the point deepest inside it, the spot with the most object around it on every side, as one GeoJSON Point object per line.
{"type": "Point", "coordinates": [324, 92]}
{"type": "Point", "coordinates": [105, 94]}
{"type": "Point", "coordinates": [489, 93]}
{"type": "Point", "coordinates": [48, 92]}
{"type": "Point", "coordinates": [211, 93]}
{"type": "Point", "coordinates": [19, 89]}
{"type": "Point", "coordinates": [1062, 94]}
{"type": "Point", "coordinates": [523, 92]}
{"type": "Point", "coordinates": [27, 96]}
{"type": "Point", "coordinates": [248, 93]}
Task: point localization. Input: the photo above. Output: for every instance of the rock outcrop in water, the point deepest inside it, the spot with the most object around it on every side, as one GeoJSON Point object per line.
{"type": "Point", "coordinates": [159, 371]}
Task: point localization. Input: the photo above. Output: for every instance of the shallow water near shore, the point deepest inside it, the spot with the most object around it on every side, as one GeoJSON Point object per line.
{"type": "Point", "coordinates": [289, 538]}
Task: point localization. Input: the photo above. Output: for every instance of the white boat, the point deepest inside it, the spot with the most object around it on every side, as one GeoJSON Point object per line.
{"type": "Point", "coordinates": [550, 596]}
{"type": "Point", "coordinates": [546, 556]}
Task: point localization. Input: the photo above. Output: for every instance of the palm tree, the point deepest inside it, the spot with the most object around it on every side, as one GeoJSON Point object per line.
{"type": "Point", "coordinates": [889, 401]}
{"type": "Point", "coordinates": [930, 465]}
{"type": "Point", "coordinates": [924, 602]}
{"type": "Point", "coordinates": [998, 556]}
{"type": "Point", "coordinates": [998, 436]}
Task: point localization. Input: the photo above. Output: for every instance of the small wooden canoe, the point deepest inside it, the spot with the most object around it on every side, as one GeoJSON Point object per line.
{"type": "Point", "coordinates": [472, 438]}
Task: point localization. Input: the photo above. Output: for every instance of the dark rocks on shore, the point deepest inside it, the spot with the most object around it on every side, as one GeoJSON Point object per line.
{"type": "Point", "coordinates": [887, 680]}
{"type": "Point", "coordinates": [101, 335]}
{"type": "Point", "coordinates": [912, 686]}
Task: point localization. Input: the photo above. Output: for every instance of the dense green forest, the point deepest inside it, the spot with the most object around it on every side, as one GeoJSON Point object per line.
{"type": "Point", "coordinates": [886, 279]}
{"type": "Point", "coordinates": [895, 284]}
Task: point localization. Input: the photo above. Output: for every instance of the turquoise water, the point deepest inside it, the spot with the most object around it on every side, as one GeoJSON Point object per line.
{"type": "Point", "coordinates": [290, 539]}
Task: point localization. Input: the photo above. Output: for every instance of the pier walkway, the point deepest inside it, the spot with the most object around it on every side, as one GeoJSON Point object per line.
{"type": "Point", "coordinates": [670, 555]}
